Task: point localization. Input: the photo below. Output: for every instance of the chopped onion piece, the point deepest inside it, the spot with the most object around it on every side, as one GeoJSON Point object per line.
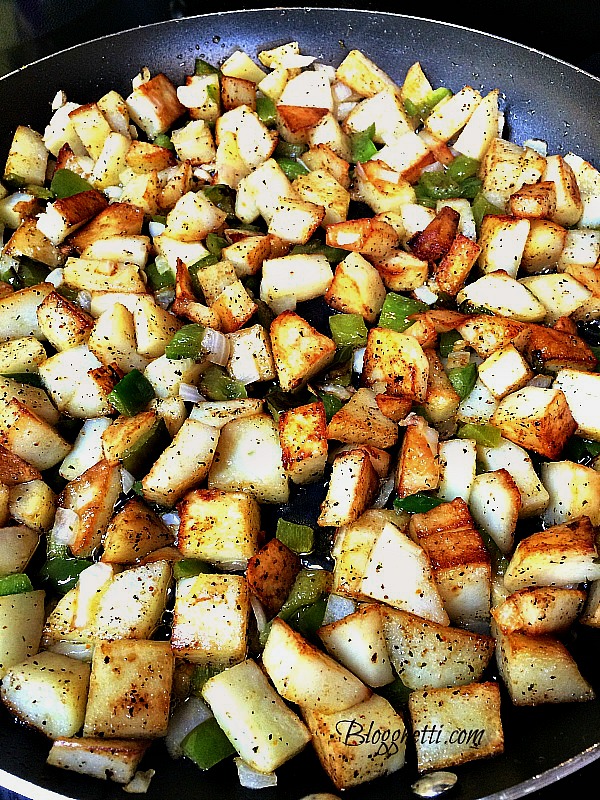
{"type": "Point", "coordinates": [259, 613]}
{"type": "Point", "coordinates": [187, 716]}
{"type": "Point", "coordinates": [234, 565]}
{"type": "Point", "coordinates": [296, 61]}
{"type": "Point", "coordinates": [140, 783]}
{"type": "Point", "coordinates": [539, 145]}
{"type": "Point", "coordinates": [425, 294]}
{"type": "Point", "coordinates": [202, 174]}
{"type": "Point", "coordinates": [55, 277]}
{"type": "Point", "coordinates": [344, 109]}
{"type": "Point", "coordinates": [84, 300]}
{"type": "Point", "coordinates": [385, 492]}
{"type": "Point", "coordinates": [171, 519]}
{"type": "Point", "coordinates": [341, 392]}
{"type": "Point", "coordinates": [156, 228]}
{"type": "Point", "coordinates": [338, 607]}
{"type": "Point", "coordinates": [217, 346]}
{"type": "Point", "coordinates": [190, 393]}
{"type": "Point", "coordinates": [458, 358]}
{"type": "Point", "coordinates": [60, 98]}
{"type": "Point", "coordinates": [251, 778]}
{"type": "Point", "coordinates": [80, 651]}
{"type": "Point", "coordinates": [542, 381]}
{"type": "Point", "coordinates": [66, 525]}
{"type": "Point", "coordinates": [127, 480]}
{"type": "Point", "coordinates": [142, 77]}
{"type": "Point", "coordinates": [358, 359]}
{"type": "Point", "coordinates": [326, 69]}
{"type": "Point", "coordinates": [437, 166]}
{"type": "Point", "coordinates": [341, 92]}
{"type": "Point", "coordinates": [409, 419]}
{"type": "Point", "coordinates": [113, 192]}
{"type": "Point", "coordinates": [164, 297]}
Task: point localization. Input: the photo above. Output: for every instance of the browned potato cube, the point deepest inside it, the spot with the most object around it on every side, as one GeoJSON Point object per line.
{"type": "Point", "coordinates": [303, 437]}
{"type": "Point", "coordinates": [299, 350]}
{"type": "Point", "coordinates": [271, 574]}
{"type": "Point", "coordinates": [361, 421]}
{"type": "Point", "coordinates": [453, 726]}
{"type": "Point", "coordinates": [130, 689]}
{"type": "Point", "coordinates": [395, 364]}
{"type": "Point", "coordinates": [133, 533]}
{"type": "Point", "coordinates": [418, 468]}
{"type": "Point", "coordinates": [534, 200]}
{"type": "Point", "coordinates": [537, 419]}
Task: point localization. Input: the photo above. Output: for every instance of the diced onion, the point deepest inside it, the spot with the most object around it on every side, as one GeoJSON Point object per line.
{"type": "Point", "coordinates": [80, 651]}
{"type": "Point", "coordinates": [385, 492]}
{"type": "Point", "coordinates": [142, 77]}
{"type": "Point", "coordinates": [437, 166]}
{"type": "Point", "coordinates": [341, 92]}
{"type": "Point", "coordinates": [425, 295]}
{"type": "Point", "coordinates": [190, 393]}
{"type": "Point", "coordinates": [155, 228]}
{"type": "Point", "coordinates": [171, 519]}
{"type": "Point", "coordinates": [140, 783]}
{"type": "Point", "coordinates": [216, 346]}
{"type": "Point", "coordinates": [296, 61]}
{"type": "Point", "coordinates": [113, 192]}
{"type": "Point", "coordinates": [202, 174]}
{"type": "Point", "coordinates": [343, 109]}
{"type": "Point", "coordinates": [542, 381]}
{"type": "Point", "coordinates": [66, 525]}
{"type": "Point", "coordinates": [164, 297]}
{"type": "Point", "coordinates": [358, 359]}
{"type": "Point", "coordinates": [55, 277]}
{"type": "Point", "coordinates": [84, 300]}
{"type": "Point", "coordinates": [341, 392]}
{"type": "Point", "coordinates": [326, 69]}
{"type": "Point", "coordinates": [60, 98]}
{"type": "Point", "coordinates": [127, 480]}
{"type": "Point", "coordinates": [251, 778]}
{"type": "Point", "coordinates": [234, 565]}
{"type": "Point", "coordinates": [259, 613]}
{"type": "Point", "coordinates": [187, 716]}
{"type": "Point", "coordinates": [338, 607]}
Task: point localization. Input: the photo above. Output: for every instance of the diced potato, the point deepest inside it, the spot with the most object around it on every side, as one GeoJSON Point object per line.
{"type": "Point", "coordinates": [18, 312]}
{"type": "Point", "coordinates": [210, 619]}
{"type": "Point", "coordinates": [394, 363]}
{"type": "Point", "coordinates": [219, 412]}
{"type": "Point", "coordinates": [574, 491]}
{"type": "Point", "coordinates": [544, 245]}
{"type": "Point", "coordinates": [130, 688]}
{"type": "Point", "coordinates": [18, 543]}
{"type": "Point", "coordinates": [502, 240]}
{"type": "Point", "coordinates": [560, 293]}
{"type": "Point", "coordinates": [294, 278]}
{"type": "Point", "coordinates": [582, 390]}
{"type": "Point", "coordinates": [21, 355]}
{"type": "Point", "coordinates": [569, 206]}
{"type": "Point", "coordinates": [153, 106]}
{"type": "Point", "coordinates": [33, 504]}
{"type": "Point", "coordinates": [271, 574]}
{"type": "Point", "coordinates": [65, 215]}
{"type": "Point", "coordinates": [517, 462]}
{"type": "Point", "coordinates": [539, 611]}
{"type": "Point", "coordinates": [364, 76]}
{"type": "Point", "coordinates": [486, 333]}
{"type": "Point", "coordinates": [30, 437]}
{"type": "Point", "coordinates": [114, 759]}
{"type": "Point", "coordinates": [360, 421]}
{"type": "Point", "coordinates": [501, 294]}
{"type": "Point", "coordinates": [21, 623]}
{"type": "Point", "coordinates": [352, 486]}
{"type": "Point", "coordinates": [183, 464]}
{"type": "Point", "coordinates": [398, 572]}
{"type": "Point", "coordinates": [537, 419]}
{"type": "Point", "coordinates": [357, 641]}
{"type": "Point", "coordinates": [357, 288]}
{"type": "Point", "coordinates": [303, 435]}
{"type": "Point", "coordinates": [304, 675]}
{"type": "Point", "coordinates": [92, 496]}
{"type": "Point", "coordinates": [133, 532]}
{"type": "Point", "coordinates": [27, 157]}
{"type": "Point", "coordinates": [457, 458]}
{"type": "Point", "coordinates": [360, 746]}
{"type": "Point", "coordinates": [263, 729]}
{"type": "Point", "coordinates": [220, 527]}
{"type": "Point", "coordinates": [249, 458]}
{"type": "Point", "coordinates": [495, 503]}
{"type": "Point", "coordinates": [504, 371]}
{"type": "Point", "coordinates": [299, 350]}
{"type": "Point", "coordinates": [402, 271]}
{"type": "Point", "coordinates": [425, 654]}
{"type": "Point", "coordinates": [461, 562]}
{"type": "Point", "coordinates": [418, 467]}
{"type": "Point", "coordinates": [562, 555]}
{"type": "Point", "coordinates": [351, 550]}
{"type": "Point", "coordinates": [48, 692]}
{"type": "Point", "coordinates": [469, 717]}
{"type": "Point", "coordinates": [539, 669]}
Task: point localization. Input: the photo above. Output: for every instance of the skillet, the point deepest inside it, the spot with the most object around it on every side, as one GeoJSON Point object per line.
{"type": "Point", "coordinates": [545, 98]}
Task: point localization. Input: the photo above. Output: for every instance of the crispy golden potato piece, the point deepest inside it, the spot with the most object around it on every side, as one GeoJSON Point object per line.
{"type": "Point", "coordinates": [435, 240]}
{"type": "Point", "coordinates": [271, 573]}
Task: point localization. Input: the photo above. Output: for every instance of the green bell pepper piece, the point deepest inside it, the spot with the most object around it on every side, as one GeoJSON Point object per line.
{"type": "Point", "coordinates": [66, 183]}
{"type": "Point", "coordinates": [131, 394]}
{"type": "Point", "coordinates": [463, 379]}
{"type": "Point", "coordinates": [396, 310]}
{"type": "Point", "coordinates": [348, 330]}
{"type": "Point", "coordinates": [417, 503]}
{"type": "Point", "coordinates": [15, 584]}
{"type": "Point", "coordinates": [299, 538]}
{"type": "Point", "coordinates": [207, 744]}
{"type": "Point", "coordinates": [186, 342]}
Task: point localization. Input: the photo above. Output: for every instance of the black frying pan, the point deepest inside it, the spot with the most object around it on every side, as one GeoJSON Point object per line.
{"type": "Point", "coordinates": [544, 98]}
